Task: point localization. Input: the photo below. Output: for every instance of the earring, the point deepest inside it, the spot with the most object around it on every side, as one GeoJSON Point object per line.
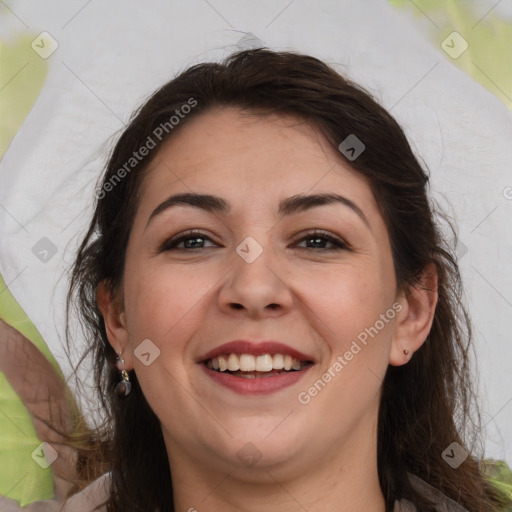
{"type": "Point", "coordinates": [406, 351]}
{"type": "Point", "coordinates": [124, 386]}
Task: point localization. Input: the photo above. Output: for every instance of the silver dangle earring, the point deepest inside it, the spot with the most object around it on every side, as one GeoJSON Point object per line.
{"type": "Point", "coordinates": [124, 386]}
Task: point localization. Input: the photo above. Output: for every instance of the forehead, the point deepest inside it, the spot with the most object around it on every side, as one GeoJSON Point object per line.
{"type": "Point", "coordinates": [250, 158]}
{"type": "Point", "coordinates": [254, 162]}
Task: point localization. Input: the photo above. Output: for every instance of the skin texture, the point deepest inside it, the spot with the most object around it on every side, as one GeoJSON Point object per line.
{"type": "Point", "coordinates": [319, 456]}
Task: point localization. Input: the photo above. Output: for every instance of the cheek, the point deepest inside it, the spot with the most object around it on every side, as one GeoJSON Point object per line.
{"type": "Point", "coordinates": [356, 324]}
{"type": "Point", "coordinates": [167, 306]}
{"type": "Point", "coordinates": [163, 302]}
{"type": "Point", "coordinates": [356, 306]}
{"type": "Point", "coordinates": [348, 300]}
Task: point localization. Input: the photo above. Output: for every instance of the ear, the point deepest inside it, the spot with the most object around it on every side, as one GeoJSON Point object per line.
{"type": "Point", "coordinates": [415, 318]}
{"type": "Point", "coordinates": [115, 322]}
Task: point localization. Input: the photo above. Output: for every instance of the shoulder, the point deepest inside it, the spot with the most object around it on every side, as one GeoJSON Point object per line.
{"type": "Point", "coordinates": [91, 499]}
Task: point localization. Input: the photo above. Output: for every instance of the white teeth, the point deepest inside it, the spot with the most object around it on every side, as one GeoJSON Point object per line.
{"type": "Point", "coordinates": [278, 362]}
{"type": "Point", "coordinates": [249, 363]}
{"type": "Point", "coordinates": [223, 364]}
{"type": "Point", "coordinates": [264, 363]}
{"type": "Point", "coordinates": [233, 363]}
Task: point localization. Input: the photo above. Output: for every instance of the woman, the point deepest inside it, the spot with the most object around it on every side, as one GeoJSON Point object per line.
{"type": "Point", "coordinates": [273, 314]}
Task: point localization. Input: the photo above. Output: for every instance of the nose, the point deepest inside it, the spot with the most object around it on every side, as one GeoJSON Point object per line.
{"type": "Point", "coordinates": [259, 288]}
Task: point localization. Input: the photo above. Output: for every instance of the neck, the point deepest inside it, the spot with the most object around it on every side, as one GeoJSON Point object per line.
{"type": "Point", "coordinates": [342, 480]}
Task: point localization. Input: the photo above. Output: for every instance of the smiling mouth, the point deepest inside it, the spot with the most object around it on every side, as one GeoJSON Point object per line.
{"type": "Point", "coordinates": [249, 366]}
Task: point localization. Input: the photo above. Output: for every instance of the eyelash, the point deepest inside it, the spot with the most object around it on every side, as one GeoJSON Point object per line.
{"type": "Point", "coordinates": [171, 243]}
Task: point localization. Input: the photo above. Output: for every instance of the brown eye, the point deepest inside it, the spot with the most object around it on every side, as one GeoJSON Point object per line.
{"type": "Point", "coordinates": [320, 238]}
{"type": "Point", "coordinates": [190, 239]}
{"type": "Point", "coordinates": [196, 240]}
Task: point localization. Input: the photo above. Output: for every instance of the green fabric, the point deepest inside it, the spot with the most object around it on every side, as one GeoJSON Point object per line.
{"type": "Point", "coordinates": [487, 58]}
{"type": "Point", "coordinates": [23, 74]}
{"type": "Point", "coordinates": [500, 475]}
{"type": "Point", "coordinates": [21, 478]}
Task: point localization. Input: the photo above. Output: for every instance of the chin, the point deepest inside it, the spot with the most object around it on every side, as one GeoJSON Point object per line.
{"type": "Point", "coordinates": [265, 447]}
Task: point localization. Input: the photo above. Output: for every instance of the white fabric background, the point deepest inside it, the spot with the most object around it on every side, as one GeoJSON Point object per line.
{"type": "Point", "coordinates": [112, 54]}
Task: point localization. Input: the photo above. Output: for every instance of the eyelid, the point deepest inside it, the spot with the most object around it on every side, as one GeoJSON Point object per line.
{"type": "Point", "coordinates": [179, 237]}
{"type": "Point", "coordinates": [338, 242]}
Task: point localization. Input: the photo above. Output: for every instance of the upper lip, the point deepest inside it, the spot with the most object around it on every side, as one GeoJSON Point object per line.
{"type": "Point", "coordinates": [255, 348]}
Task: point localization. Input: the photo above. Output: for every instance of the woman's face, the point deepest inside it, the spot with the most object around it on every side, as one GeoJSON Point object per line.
{"type": "Point", "coordinates": [257, 272]}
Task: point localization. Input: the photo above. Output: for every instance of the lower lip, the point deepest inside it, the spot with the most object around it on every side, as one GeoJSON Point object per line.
{"type": "Point", "coordinates": [258, 385]}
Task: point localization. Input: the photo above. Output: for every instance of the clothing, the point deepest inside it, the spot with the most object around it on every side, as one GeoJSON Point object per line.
{"type": "Point", "coordinates": [443, 503]}
{"type": "Point", "coordinates": [97, 493]}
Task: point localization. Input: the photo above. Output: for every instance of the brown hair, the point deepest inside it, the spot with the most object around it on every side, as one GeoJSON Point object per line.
{"type": "Point", "coordinates": [426, 404]}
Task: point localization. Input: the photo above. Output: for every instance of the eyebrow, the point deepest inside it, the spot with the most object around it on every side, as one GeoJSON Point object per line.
{"type": "Point", "coordinates": [289, 206]}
